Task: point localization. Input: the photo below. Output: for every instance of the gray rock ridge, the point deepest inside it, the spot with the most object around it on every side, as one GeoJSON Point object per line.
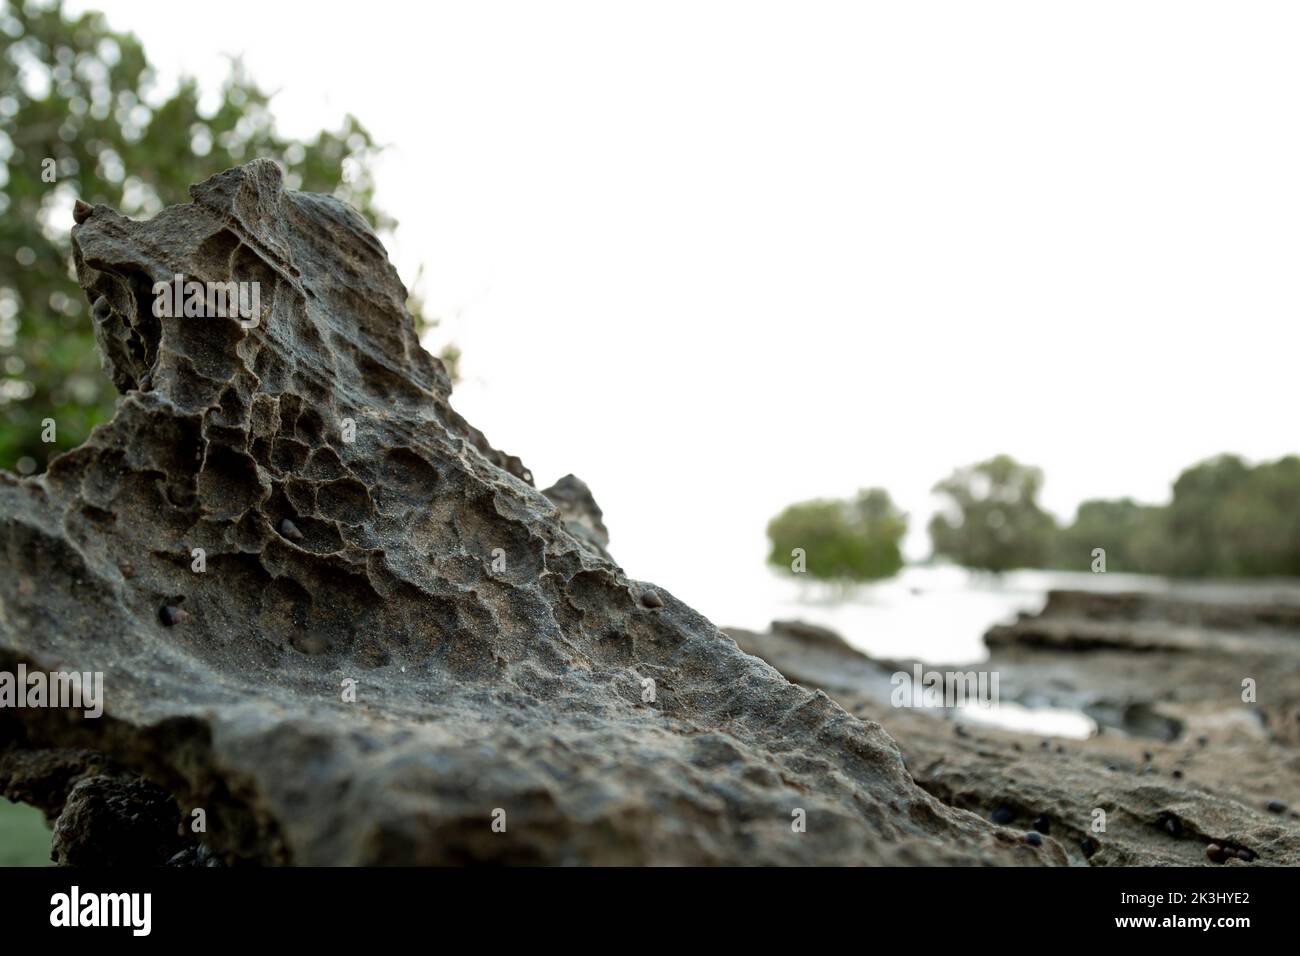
{"type": "Point", "coordinates": [351, 678]}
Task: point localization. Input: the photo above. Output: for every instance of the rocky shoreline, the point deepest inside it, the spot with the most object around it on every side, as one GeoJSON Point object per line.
{"type": "Point", "coordinates": [1183, 769]}
{"type": "Point", "coordinates": [337, 627]}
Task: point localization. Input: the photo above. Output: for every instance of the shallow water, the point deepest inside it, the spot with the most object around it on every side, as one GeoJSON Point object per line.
{"type": "Point", "coordinates": [931, 614]}
{"type": "Point", "coordinates": [1051, 721]}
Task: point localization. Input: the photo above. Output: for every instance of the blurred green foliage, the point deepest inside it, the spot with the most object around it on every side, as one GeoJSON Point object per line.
{"type": "Point", "coordinates": [845, 541]}
{"type": "Point", "coordinates": [991, 520]}
{"type": "Point", "coordinates": [1226, 519]}
{"type": "Point", "coordinates": [24, 836]}
{"type": "Point", "coordinates": [79, 106]}
{"type": "Point", "coordinates": [1131, 534]}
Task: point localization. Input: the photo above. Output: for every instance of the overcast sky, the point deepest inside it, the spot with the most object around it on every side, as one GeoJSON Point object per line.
{"type": "Point", "coordinates": [718, 257]}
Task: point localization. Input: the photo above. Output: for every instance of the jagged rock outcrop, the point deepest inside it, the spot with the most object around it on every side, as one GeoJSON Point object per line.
{"type": "Point", "coordinates": [333, 618]}
{"type": "Point", "coordinates": [1184, 770]}
{"type": "Point", "coordinates": [581, 515]}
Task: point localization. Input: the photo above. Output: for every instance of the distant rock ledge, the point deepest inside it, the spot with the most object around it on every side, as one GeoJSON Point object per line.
{"type": "Point", "coordinates": [1183, 770]}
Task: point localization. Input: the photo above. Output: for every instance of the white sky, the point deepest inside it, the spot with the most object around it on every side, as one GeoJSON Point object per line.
{"type": "Point", "coordinates": [718, 257]}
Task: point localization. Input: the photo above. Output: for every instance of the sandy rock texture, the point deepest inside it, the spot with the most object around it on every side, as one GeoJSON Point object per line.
{"type": "Point", "coordinates": [1185, 770]}
{"type": "Point", "coordinates": [360, 539]}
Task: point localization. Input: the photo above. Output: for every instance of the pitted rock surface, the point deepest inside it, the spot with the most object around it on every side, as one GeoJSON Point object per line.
{"type": "Point", "coordinates": [331, 564]}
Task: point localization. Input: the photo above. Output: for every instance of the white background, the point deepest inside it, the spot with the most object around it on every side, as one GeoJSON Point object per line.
{"type": "Point", "coordinates": [718, 257]}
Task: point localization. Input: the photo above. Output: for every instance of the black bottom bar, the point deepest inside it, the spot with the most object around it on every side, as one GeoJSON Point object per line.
{"type": "Point", "coordinates": [332, 906]}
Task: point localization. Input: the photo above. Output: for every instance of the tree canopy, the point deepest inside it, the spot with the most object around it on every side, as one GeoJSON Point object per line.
{"type": "Point", "coordinates": [991, 519]}
{"type": "Point", "coordinates": [81, 117]}
{"type": "Point", "coordinates": [1226, 519]}
{"type": "Point", "coordinates": [838, 540]}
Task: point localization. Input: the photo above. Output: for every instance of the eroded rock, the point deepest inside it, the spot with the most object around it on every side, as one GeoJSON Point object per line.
{"type": "Point", "coordinates": [439, 664]}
